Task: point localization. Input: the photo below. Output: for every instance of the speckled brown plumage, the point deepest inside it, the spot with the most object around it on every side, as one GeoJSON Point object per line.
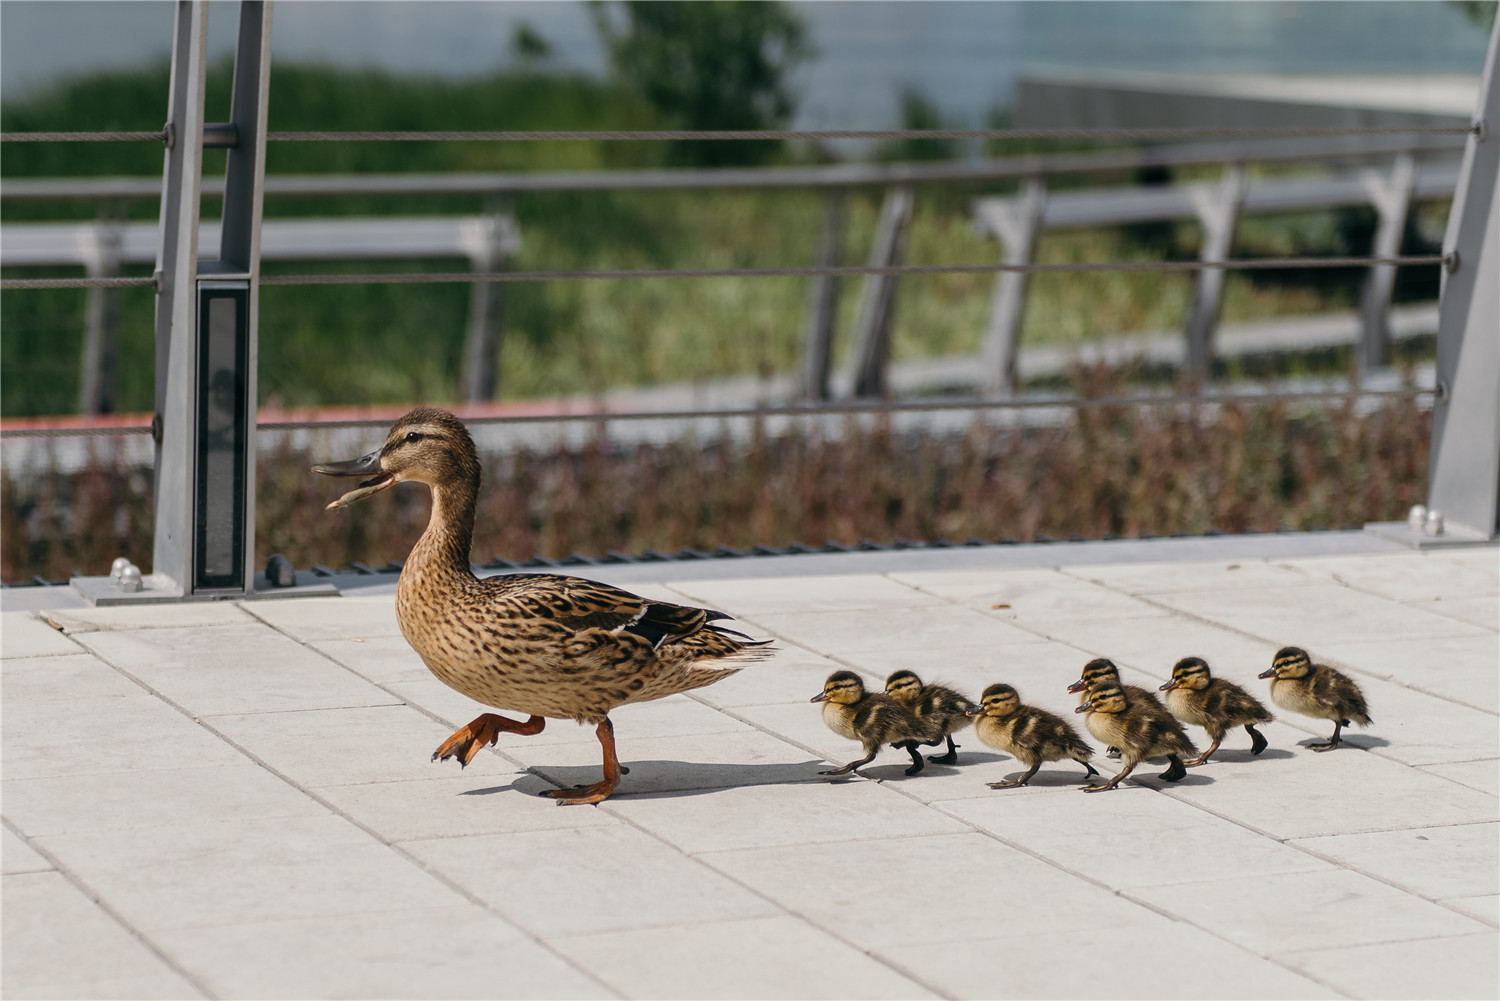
{"type": "Point", "coordinates": [546, 645]}
{"type": "Point", "coordinates": [1316, 690]}
{"type": "Point", "coordinates": [1195, 696]}
{"type": "Point", "coordinates": [1029, 734]}
{"type": "Point", "coordinates": [1102, 670]}
{"type": "Point", "coordinates": [1139, 730]}
{"type": "Point", "coordinates": [872, 718]}
{"type": "Point", "coordinates": [944, 710]}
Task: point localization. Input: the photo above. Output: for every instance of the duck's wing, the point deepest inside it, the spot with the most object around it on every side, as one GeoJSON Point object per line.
{"type": "Point", "coordinates": [587, 604]}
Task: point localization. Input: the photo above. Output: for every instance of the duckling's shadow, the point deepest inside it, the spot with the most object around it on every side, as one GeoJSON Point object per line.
{"type": "Point", "coordinates": [1363, 742]}
{"type": "Point", "coordinates": [677, 778]}
{"type": "Point", "coordinates": [1243, 754]}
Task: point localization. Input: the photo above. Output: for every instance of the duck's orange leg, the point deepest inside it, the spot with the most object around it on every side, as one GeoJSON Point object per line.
{"type": "Point", "coordinates": [466, 741]}
{"type": "Point", "coordinates": [599, 790]}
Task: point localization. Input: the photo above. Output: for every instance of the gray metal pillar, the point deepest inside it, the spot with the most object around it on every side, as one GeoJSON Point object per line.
{"type": "Point", "coordinates": [479, 380]}
{"type": "Point", "coordinates": [1016, 222]}
{"type": "Point", "coordinates": [823, 300]}
{"type": "Point", "coordinates": [1217, 209]}
{"type": "Point", "coordinates": [96, 383]}
{"type": "Point", "coordinates": [1392, 198]}
{"type": "Point", "coordinates": [877, 299]}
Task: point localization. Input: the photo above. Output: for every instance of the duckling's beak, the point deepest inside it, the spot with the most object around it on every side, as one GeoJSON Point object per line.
{"type": "Point", "coordinates": [363, 466]}
{"type": "Point", "coordinates": [1076, 686]}
{"type": "Point", "coordinates": [1269, 672]}
{"type": "Point", "coordinates": [1168, 686]}
{"type": "Point", "coordinates": [976, 711]}
{"type": "Point", "coordinates": [820, 697]}
{"type": "Point", "coordinates": [1084, 708]}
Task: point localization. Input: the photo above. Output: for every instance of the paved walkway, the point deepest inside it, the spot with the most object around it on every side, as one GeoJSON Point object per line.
{"type": "Point", "coordinates": [235, 800]}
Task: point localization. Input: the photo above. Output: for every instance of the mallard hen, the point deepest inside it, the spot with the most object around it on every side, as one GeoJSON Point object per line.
{"type": "Point", "coordinates": [1316, 690]}
{"type": "Point", "coordinates": [1195, 696]}
{"type": "Point", "coordinates": [545, 645]}
{"type": "Point", "coordinates": [944, 710]}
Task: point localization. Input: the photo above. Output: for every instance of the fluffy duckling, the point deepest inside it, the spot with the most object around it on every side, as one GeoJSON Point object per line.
{"type": "Point", "coordinates": [1316, 690]}
{"type": "Point", "coordinates": [1137, 730]}
{"type": "Point", "coordinates": [1195, 696]}
{"type": "Point", "coordinates": [1102, 670]}
{"type": "Point", "coordinates": [944, 710]}
{"type": "Point", "coordinates": [872, 718]}
{"type": "Point", "coordinates": [1026, 733]}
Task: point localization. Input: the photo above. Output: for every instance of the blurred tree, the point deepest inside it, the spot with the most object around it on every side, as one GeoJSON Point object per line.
{"type": "Point", "coordinates": [1481, 12]}
{"type": "Point", "coordinates": [919, 112]}
{"type": "Point", "coordinates": [528, 47]}
{"type": "Point", "coordinates": [709, 64]}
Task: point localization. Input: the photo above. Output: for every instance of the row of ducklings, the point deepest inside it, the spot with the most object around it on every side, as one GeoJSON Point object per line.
{"type": "Point", "coordinates": [1130, 720]}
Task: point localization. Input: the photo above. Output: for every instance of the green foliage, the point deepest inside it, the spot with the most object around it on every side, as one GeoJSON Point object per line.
{"type": "Point", "coordinates": [918, 112]}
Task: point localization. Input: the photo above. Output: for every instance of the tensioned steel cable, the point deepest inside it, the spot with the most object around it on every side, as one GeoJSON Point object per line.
{"type": "Point", "coordinates": [41, 283]}
{"type": "Point", "coordinates": [691, 135]}
{"type": "Point", "coordinates": [795, 410]}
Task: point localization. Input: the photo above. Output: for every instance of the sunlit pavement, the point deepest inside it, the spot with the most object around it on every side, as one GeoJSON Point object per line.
{"type": "Point", "coordinates": [235, 799]}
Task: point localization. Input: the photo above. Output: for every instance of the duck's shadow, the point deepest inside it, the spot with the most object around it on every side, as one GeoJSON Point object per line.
{"type": "Point", "coordinates": [678, 778]}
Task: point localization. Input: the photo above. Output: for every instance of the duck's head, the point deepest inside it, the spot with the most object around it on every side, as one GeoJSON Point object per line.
{"type": "Point", "coordinates": [997, 700]}
{"type": "Point", "coordinates": [1190, 673]}
{"type": "Point", "coordinates": [1106, 698]}
{"type": "Point", "coordinates": [904, 685]}
{"type": "Point", "coordinates": [843, 687]}
{"type": "Point", "coordinates": [1095, 671]}
{"type": "Point", "coordinates": [1289, 662]}
{"type": "Point", "coordinates": [426, 446]}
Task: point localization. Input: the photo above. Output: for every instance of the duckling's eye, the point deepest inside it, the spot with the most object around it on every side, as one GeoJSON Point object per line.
{"type": "Point", "coordinates": [412, 436]}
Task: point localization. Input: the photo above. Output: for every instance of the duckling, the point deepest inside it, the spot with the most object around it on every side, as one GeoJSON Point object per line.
{"type": "Point", "coordinates": [1138, 730]}
{"type": "Point", "coordinates": [1028, 734]}
{"type": "Point", "coordinates": [872, 718]}
{"type": "Point", "coordinates": [944, 710]}
{"type": "Point", "coordinates": [1102, 669]}
{"type": "Point", "coordinates": [1197, 697]}
{"type": "Point", "coordinates": [549, 646]}
{"type": "Point", "coordinates": [1316, 690]}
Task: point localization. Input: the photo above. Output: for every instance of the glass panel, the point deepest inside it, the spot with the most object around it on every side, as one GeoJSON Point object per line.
{"type": "Point", "coordinates": [221, 441]}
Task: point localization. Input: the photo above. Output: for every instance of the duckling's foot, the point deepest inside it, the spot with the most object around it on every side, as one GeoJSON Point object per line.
{"type": "Point", "coordinates": [582, 795]}
{"type": "Point", "coordinates": [949, 758]}
{"type": "Point", "coordinates": [1258, 741]}
{"type": "Point", "coordinates": [1112, 752]}
{"type": "Point", "coordinates": [1175, 770]}
{"type": "Point", "coordinates": [1200, 759]}
{"type": "Point", "coordinates": [1338, 728]}
{"type": "Point", "coordinates": [466, 742]}
{"type": "Point", "coordinates": [851, 766]}
{"type": "Point", "coordinates": [917, 761]}
{"type": "Point", "coordinates": [1016, 783]}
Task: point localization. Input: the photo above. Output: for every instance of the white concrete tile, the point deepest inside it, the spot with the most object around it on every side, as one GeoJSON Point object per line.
{"type": "Point", "coordinates": [378, 659]}
{"type": "Point", "coordinates": [787, 814]}
{"type": "Point", "coordinates": [17, 856]}
{"type": "Point", "coordinates": [1401, 576]}
{"type": "Point", "coordinates": [675, 716]}
{"type": "Point", "coordinates": [183, 615]}
{"type": "Point", "coordinates": [192, 874]}
{"type": "Point", "coordinates": [757, 597]}
{"type": "Point", "coordinates": [233, 669]}
{"type": "Point", "coordinates": [943, 882]}
{"type": "Point", "coordinates": [1135, 838]}
{"type": "Point", "coordinates": [782, 679]}
{"type": "Point", "coordinates": [1482, 611]}
{"type": "Point", "coordinates": [1460, 668]}
{"type": "Point", "coordinates": [1153, 958]}
{"type": "Point", "coordinates": [1290, 792]}
{"type": "Point", "coordinates": [161, 987]}
{"type": "Point", "coordinates": [573, 882]}
{"type": "Point", "coordinates": [1413, 727]}
{"type": "Point", "coordinates": [24, 634]}
{"type": "Point", "coordinates": [338, 617]}
{"type": "Point", "coordinates": [457, 806]}
{"type": "Point", "coordinates": [1485, 559]}
{"type": "Point", "coordinates": [451, 952]}
{"type": "Point", "coordinates": [802, 725]}
{"type": "Point", "coordinates": [1041, 671]}
{"type": "Point", "coordinates": [422, 689]}
{"type": "Point", "coordinates": [58, 942]}
{"type": "Point", "coordinates": [1153, 648]}
{"type": "Point", "coordinates": [1304, 911]}
{"type": "Point", "coordinates": [63, 678]}
{"type": "Point", "coordinates": [1029, 596]}
{"type": "Point", "coordinates": [1485, 907]}
{"type": "Point", "coordinates": [124, 800]}
{"type": "Point", "coordinates": [844, 633]}
{"type": "Point", "coordinates": [1317, 615]}
{"type": "Point", "coordinates": [1214, 575]}
{"type": "Point", "coordinates": [979, 765]}
{"type": "Point", "coordinates": [775, 957]}
{"type": "Point", "coordinates": [111, 734]}
{"type": "Point", "coordinates": [1483, 774]}
{"type": "Point", "coordinates": [1460, 966]}
{"type": "Point", "coordinates": [347, 746]}
{"type": "Point", "coordinates": [1434, 862]}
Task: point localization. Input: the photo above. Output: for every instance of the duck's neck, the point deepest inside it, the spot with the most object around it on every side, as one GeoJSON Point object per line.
{"type": "Point", "coordinates": [443, 550]}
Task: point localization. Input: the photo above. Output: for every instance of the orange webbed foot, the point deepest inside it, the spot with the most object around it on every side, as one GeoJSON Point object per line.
{"type": "Point", "coordinates": [467, 740]}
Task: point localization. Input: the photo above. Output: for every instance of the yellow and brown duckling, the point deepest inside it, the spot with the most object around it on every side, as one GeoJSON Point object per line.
{"type": "Point", "coordinates": [872, 718]}
{"type": "Point", "coordinates": [1028, 734]}
{"type": "Point", "coordinates": [1196, 696]}
{"type": "Point", "coordinates": [1316, 690]}
{"type": "Point", "coordinates": [1102, 670]}
{"type": "Point", "coordinates": [544, 645]}
{"type": "Point", "coordinates": [1138, 730]}
{"type": "Point", "coordinates": [944, 710]}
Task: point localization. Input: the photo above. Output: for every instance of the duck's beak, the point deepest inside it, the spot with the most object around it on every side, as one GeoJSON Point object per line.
{"type": "Point", "coordinates": [363, 466]}
{"type": "Point", "coordinates": [1076, 686]}
{"type": "Point", "coordinates": [1269, 672]}
{"type": "Point", "coordinates": [820, 697]}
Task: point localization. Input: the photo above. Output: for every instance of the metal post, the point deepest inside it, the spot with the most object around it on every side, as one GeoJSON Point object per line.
{"type": "Point", "coordinates": [96, 385]}
{"type": "Point", "coordinates": [823, 304]}
{"type": "Point", "coordinates": [1217, 209]}
{"type": "Point", "coordinates": [877, 298]}
{"type": "Point", "coordinates": [1016, 222]}
{"type": "Point", "coordinates": [1392, 199]}
{"type": "Point", "coordinates": [481, 359]}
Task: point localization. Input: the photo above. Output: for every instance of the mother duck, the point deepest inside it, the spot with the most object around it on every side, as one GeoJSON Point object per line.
{"type": "Point", "coordinates": [545, 645]}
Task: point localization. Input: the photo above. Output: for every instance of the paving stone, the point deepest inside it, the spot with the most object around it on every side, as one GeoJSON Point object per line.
{"type": "Point", "coordinates": [1153, 957]}
{"type": "Point", "coordinates": [379, 659]}
{"type": "Point", "coordinates": [23, 634]}
{"type": "Point", "coordinates": [1305, 911]}
{"type": "Point", "coordinates": [59, 943]}
{"type": "Point", "coordinates": [183, 615]}
{"type": "Point", "coordinates": [572, 882]}
{"type": "Point", "coordinates": [847, 633]}
{"type": "Point", "coordinates": [1483, 774]}
{"type": "Point", "coordinates": [461, 951]}
{"type": "Point", "coordinates": [1413, 727]}
{"type": "Point", "coordinates": [1030, 596]}
{"type": "Point", "coordinates": [775, 957]}
{"type": "Point", "coordinates": [462, 805]}
{"type": "Point", "coordinates": [968, 881]}
{"type": "Point", "coordinates": [96, 735]}
{"type": "Point", "coordinates": [1295, 792]}
{"type": "Point", "coordinates": [782, 679]}
{"type": "Point", "coordinates": [1460, 966]}
{"type": "Point", "coordinates": [802, 725]}
{"type": "Point", "coordinates": [233, 669]}
{"type": "Point", "coordinates": [345, 746]}
{"type": "Point", "coordinates": [196, 874]}
{"type": "Point", "coordinates": [124, 800]}
{"type": "Point", "coordinates": [1400, 577]}
{"type": "Point", "coordinates": [1485, 907]}
{"type": "Point", "coordinates": [751, 816]}
{"type": "Point", "coordinates": [1435, 862]}
{"type": "Point", "coordinates": [978, 765]}
{"type": "Point", "coordinates": [758, 597]}
{"type": "Point", "coordinates": [1482, 611]}
{"type": "Point", "coordinates": [1150, 840]}
{"type": "Point", "coordinates": [1230, 655]}
{"type": "Point", "coordinates": [1458, 668]}
{"type": "Point", "coordinates": [329, 618]}
{"type": "Point", "coordinates": [63, 678]}
{"type": "Point", "coordinates": [1041, 670]}
{"type": "Point", "coordinates": [1482, 558]}
{"type": "Point", "coordinates": [17, 856]}
{"type": "Point", "coordinates": [1318, 614]}
{"type": "Point", "coordinates": [1215, 575]}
